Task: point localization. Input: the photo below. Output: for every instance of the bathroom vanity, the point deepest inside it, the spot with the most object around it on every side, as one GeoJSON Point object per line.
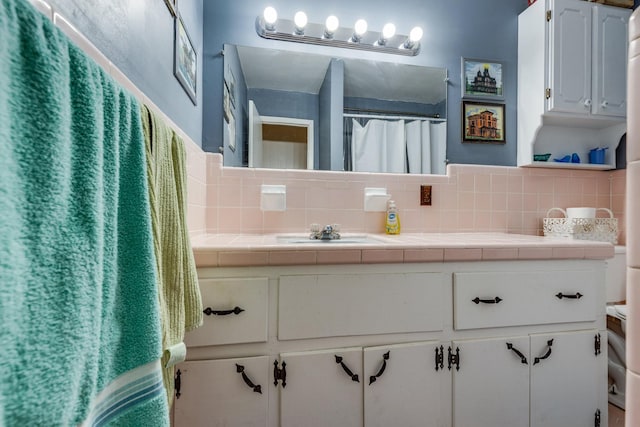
{"type": "Point", "coordinates": [438, 330]}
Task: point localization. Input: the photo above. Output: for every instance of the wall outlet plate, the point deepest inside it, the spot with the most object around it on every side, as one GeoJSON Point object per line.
{"type": "Point", "coordinates": [425, 195]}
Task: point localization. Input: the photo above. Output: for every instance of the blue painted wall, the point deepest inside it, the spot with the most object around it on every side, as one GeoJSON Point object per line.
{"type": "Point", "coordinates": [328, 148]}
{"type": "Point", "coordinates": [453, 29]}
{"type": "Point", "coordinates": [138, 37]}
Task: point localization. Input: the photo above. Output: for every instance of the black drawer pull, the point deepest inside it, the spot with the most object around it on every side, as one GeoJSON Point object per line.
{"type": "Point", "coordinates": [354, 377]}
{"type": "Point", "coordinates": [256, 388]}
{"type": "Point", "coordinates": [516, 351]}
{"type": "Point", "coordinates": [577, 295]}
{"type": "Point", "coordinates": [373, 378]}
{"type": "Point", "coordinates": [209, 311]}
{"type": "Point", "coordinates": [495, 300]}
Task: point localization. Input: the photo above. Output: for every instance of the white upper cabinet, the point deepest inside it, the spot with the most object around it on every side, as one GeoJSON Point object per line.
{"type": "Point", "coordinates": [572, 74]}
{"type": "Point", "coordinates": [569, 79]}
{"type": "Point", "coordinates": [609, 89]}
{"type": "Point", "coordinates": [587, 58]}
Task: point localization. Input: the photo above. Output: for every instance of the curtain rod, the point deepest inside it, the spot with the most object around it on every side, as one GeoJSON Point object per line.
{"type": "Point", "coordinates": [383, 117]}
{"type": "Point", "coordinates": [388, 112]}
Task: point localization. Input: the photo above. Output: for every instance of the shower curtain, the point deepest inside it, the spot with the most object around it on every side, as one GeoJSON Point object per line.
{"type": "Point", "coordinates": [426, 146]}
{"type": "Point", "coordinates": [378, 145]}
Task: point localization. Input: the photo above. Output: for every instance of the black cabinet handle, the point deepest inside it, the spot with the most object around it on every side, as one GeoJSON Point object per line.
{"type": "Point", "coordinates": [247, 380]}
{"type": "Point", "coordinates": [439, 358]}
{"type": "Point", "coordinates": [495, 300]}
{"type": "Point", "coordinates": [546, 355]}
{"type": "Point", "coordinates": [177, 383]}
{"type": "Point", "coordinates": [373, 378]}
{"type": "Point", "coordinates": [577, 295]}
{"type": "Point", "coordinates": [516, 351]}
{"type": "Point", "coordinates": [354, 377]}
{"type": "Point", "coordinates": [209, 311]}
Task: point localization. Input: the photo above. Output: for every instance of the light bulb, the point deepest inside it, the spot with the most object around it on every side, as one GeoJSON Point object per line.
{"type": "Point", "coordinates": [415, 35]}
{"type": "Point", "coordinates": [270, 17]}
{"type": "Point", "coordinates": [388, 31]}
{"type": "Point", "coordinates": [360, 27]}
{"type": "Point", "coordinates": [300, 19]}
{"type": "Point", "coordinates": [332, 24]}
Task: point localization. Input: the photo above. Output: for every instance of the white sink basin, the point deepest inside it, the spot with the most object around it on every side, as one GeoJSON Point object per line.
{"type": "Point", "coordinates": [355, 239]}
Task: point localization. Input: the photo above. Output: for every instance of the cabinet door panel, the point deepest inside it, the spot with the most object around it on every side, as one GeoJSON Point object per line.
{"type": "Point", "coordinates": [564, 385]}
{"type": "Point", "coordinates": [570, 56]}
{"type": "Point", "coordinates": [610, 38]}
{"type": "Point", "coordinates": [492, 386]}
{"type": "Point", "coordinates": [312, 306]}
{"type": "Point", "coordinates": [214, 394]}
{"type": "Point", "coordinates": [409, 390]}
{"type": "Point", "coordinates": [319, 392]}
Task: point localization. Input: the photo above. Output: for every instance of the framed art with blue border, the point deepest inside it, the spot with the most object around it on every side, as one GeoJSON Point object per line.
{"type": "Point", "coordinates": [185, 64]}
{"type": "Point", "coordinates": [482, 79]}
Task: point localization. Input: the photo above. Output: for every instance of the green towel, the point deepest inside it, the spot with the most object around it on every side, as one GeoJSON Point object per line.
{"type": "Point", "coordinates": [180, 301]}
{"type": "Point", "coordinates": [80, 330]}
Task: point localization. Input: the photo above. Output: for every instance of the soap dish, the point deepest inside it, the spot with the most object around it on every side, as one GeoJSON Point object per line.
{"type": "Point", "coordinates": [541, 157]}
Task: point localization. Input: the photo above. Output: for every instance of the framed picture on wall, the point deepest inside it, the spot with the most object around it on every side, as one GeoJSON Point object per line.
{"type": "Point", "coordinates": [482, 79]}
{"type": "Point", "coordinates": [185, 62]}
{"type": "Point", "coordinates": [483, 122]}
{"type": "Point", "coordinates": [172, 5]}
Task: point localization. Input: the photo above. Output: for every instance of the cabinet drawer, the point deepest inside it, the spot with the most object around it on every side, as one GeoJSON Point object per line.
{"type": "Point", "coordinates": [223, 325]}
{"type": "Point", "coordinates": [312, 306]}
{"type": "Point", "coordinates": [487, 299]}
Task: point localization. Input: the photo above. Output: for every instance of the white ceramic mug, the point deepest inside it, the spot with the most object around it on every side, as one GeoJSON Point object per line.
{"type": "Point", "coordinates": [581, 213]}
{"type": "Point", "coordinates": [573, 213]}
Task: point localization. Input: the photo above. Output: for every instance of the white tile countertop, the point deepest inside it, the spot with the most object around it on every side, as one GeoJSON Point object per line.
{"type": "Point", "coordinates": [235, 250]}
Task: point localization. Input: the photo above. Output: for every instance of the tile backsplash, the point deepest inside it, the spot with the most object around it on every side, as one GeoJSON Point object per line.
{"type": "Point", "coordinates": [468, 199]}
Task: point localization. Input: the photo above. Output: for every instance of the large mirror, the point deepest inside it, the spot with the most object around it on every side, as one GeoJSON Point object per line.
{"type": "Point", "coordinates": [292, 110]}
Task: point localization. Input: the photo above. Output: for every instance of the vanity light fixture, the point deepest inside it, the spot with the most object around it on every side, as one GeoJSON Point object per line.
{"type": "Point", "coordinates": [269, 18]}
{"type": "Point", "coordinates": [269, 26]}
{"type": "Point", "coordinates": [359, 30]}
{"type": "Point", "coordinates": [388, 31]}
{"type": "Point", "coordinates": [414, 38]}
{"type": "Point", "coordinates": [330, 26]}
{"type": "Point", "coordinates": [300, 20]}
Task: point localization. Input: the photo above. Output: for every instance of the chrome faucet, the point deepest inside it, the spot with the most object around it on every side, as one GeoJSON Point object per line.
{"type": "Point", "coordinates": [329, 232]}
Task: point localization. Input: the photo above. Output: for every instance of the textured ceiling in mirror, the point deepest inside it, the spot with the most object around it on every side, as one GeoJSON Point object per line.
{"type": "Point", "coordinates": [303, 72]}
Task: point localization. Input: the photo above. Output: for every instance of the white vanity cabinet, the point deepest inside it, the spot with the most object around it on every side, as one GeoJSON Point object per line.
{"type": "Point", "coordinates": [418, 344]}
{"type": "Point", "coordinates": [373, 386]}
{"type": "Point", "coordinates": [228, 391]}
{"type": "Point", "coordinates": [572, 73]}
{"type": "Point", "coordinates": [537, 380]}
{"type": "Point", "coordinates": [225, 392]}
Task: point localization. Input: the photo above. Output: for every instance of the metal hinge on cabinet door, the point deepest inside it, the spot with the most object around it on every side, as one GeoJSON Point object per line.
{"type": "Point", "coordinates": [439, 358]}
{"type": "Point", "coordinates": [548, 15]}
{"type": "Point", "coordinates": [596, 344]}
{"type": "Point", "coordinates": [279, 374]}
{"type": "Point", "coordinates": [596, 421]}
{"type": "Point", "coordinates": [547, 93]}
{"type": "Point", "coordinates": [454, 359]}
{"type": "Point", "coordinates": [177, 383]}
